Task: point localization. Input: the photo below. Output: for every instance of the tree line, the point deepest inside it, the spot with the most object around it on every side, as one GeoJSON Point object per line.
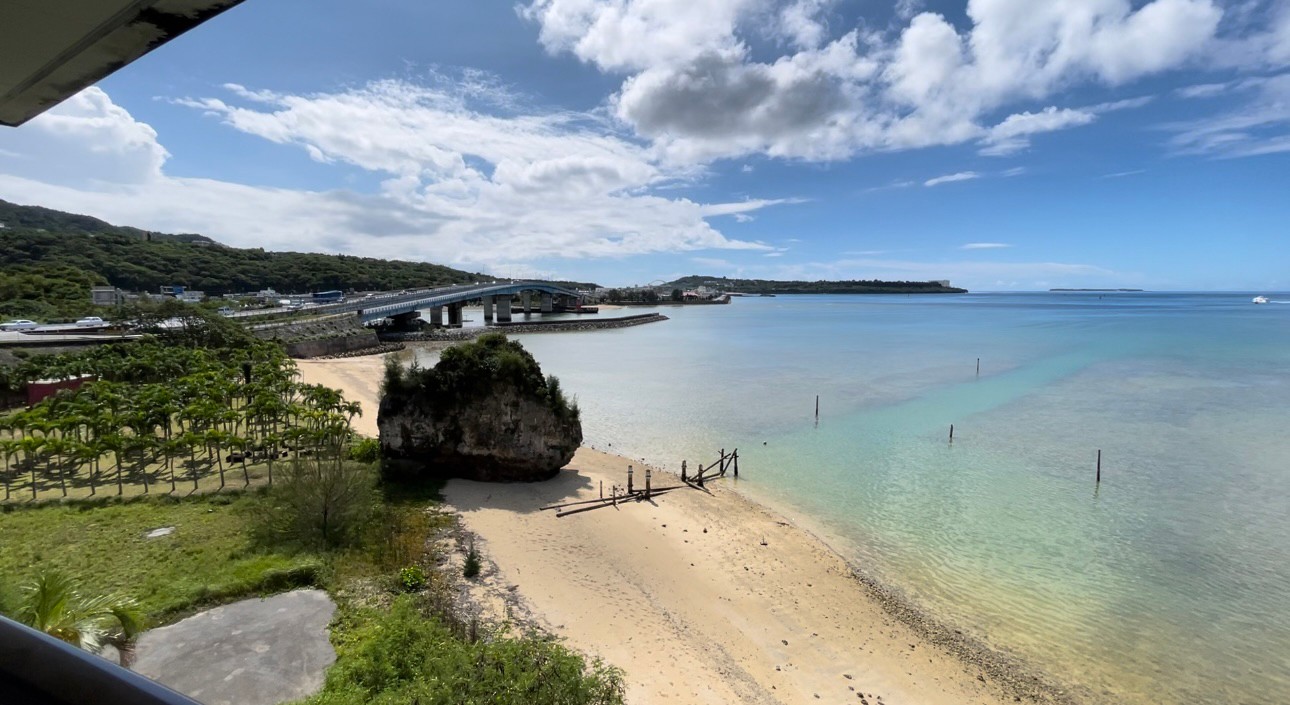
{"type": "Point", "coordinates": [159, 412]}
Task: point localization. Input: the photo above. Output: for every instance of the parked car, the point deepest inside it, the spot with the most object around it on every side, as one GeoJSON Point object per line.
{"type": "Point", "coordinates": [19, 324]}
{"type": "Point", "coordinates": [225, 311]}
{"type": "Point", "coordinates": [91, 322]}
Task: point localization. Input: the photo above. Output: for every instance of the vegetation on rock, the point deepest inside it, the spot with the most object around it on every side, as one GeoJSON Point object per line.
{"type": "Point", "coordinates": [485, 412]}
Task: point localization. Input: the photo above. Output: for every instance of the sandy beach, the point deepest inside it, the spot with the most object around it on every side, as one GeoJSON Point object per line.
{"type": "Point", "coordinates": [701, 597]}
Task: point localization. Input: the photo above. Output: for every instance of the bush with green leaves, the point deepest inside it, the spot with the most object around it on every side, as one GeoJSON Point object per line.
{"type": "Point", "coordinates": [472, 565]}
{"type": "Point", "coordinates": [322, 502]}
{"type": "Point", "coordinates": [401, 656]}
{"type": "Point", "coordinates": [365, 450]}
{"type": "Point", "coordinates": [412, 578]}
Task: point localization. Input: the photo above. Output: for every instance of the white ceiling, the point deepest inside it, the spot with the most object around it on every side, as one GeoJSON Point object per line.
{"type": "Point", "coordinates": [51, 49]}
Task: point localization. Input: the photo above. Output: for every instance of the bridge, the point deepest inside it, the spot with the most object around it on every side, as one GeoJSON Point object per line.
{"type": "Point", "coordinates": [537, 297]}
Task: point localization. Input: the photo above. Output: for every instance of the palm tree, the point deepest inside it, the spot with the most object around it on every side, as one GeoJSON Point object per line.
{"type": "Point", "coordinates": [54, 603]}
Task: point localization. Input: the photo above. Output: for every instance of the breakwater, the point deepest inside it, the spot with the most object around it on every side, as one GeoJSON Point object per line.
{"type": "Point", "coordinates": [525, 327]}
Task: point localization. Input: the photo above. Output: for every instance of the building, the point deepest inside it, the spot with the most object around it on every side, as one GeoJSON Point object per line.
{"type": "Point", "coordinates": [191, 296]}
{"type": "Point", "coordinates": [106, 296]}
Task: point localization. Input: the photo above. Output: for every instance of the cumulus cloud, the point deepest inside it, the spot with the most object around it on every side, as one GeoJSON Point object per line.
{"type": "Point", "coordinates": [459, 186]}
{"type": "Point", "coordinates": [951, 178]}
{"type": "Point", "coordinates": [694, 87]}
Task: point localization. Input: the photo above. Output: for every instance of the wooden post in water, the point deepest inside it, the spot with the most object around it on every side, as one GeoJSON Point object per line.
{"type": "Point", "coordinates": [736, 459]}
{"type": "Point", "coordinates": [629, 479]}
{"type": "Point", "coordinates": [951, 433]}
{"type": "Point", "coordinates": [722, 468]}
{"type": "Point", "coordinates": [978, 367]}
{"type": "Point", "coordinates": [1099, 467]}
{"type": "Point", "coordinates": [817, 406]}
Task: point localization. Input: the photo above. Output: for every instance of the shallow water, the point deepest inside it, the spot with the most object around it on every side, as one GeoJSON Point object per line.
{"type": "Point", "coordinates": [1169, 582]}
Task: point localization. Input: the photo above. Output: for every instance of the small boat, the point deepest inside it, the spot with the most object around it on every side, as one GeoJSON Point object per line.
{"type": "Point", "coordinates": [1260, 299]}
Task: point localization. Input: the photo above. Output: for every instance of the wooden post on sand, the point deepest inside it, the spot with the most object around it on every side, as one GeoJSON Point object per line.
{"type": "Point", "coordinates": [648, 472]}
{"type": "Point", "coordinates": [683, 471]}
{"type": "Point", "coordinates": [736, 460]}
{"type": "Point", "coordinates": [629, 479]}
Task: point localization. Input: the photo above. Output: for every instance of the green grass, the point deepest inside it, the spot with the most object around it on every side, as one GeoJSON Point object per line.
{"type": "Point", "coordinates": [210, 557]}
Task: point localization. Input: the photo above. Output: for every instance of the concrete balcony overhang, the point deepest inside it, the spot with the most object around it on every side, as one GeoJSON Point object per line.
{"type": "Point", "coordinates": [51, 49]}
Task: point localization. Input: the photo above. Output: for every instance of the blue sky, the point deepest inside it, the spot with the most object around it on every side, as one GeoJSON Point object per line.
{"type": "Point", "coordinates": [1002, 144]}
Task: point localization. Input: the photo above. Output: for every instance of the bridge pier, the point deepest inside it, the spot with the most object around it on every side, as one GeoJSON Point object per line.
{"type": "Point", "coordinates": [454, 315]}
{"type": "Point", "coordinates": [526, 302]}
{"type": "Point", "coordinates": [503, 308]}
{"type": "Point", "coordinates": [436, 316]}
{"type": "Point", "coordinates": [488, 310]}
{"type": "Point", "coordinates": [546, 303]}
{"type": "Point", "coordinates": [405, 321]}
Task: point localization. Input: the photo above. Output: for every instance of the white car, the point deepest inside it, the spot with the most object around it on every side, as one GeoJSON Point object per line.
{"type": "Point", "coordinates": [91, 322]}
{"type": "Point", "coordinates": [19, 324]}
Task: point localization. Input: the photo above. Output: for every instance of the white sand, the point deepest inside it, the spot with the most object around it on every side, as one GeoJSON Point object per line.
{"type": "Point", "coordinates": [692, 616]}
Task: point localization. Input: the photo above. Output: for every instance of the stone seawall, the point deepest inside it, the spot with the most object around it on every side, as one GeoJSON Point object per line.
{"type": "Point", "coordinates": [328, 336]}
{"type": "Point", "coordinates": [523, 327]}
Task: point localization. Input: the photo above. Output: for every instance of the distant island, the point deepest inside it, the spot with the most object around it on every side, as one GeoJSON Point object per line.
{"type": "Point", "coordinates": [1098, 290]}
{"type": "Point", "coordinates": [772, 286]}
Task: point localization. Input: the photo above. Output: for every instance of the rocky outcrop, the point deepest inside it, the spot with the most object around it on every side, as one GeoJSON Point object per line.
{"type": "Point", "coordinates": [485, 412]}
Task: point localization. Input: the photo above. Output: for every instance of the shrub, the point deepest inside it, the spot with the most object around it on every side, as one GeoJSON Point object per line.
{"type": "Point", "coordinates": [471, 567]}
{"type": "Point", "coordinates": [366, 450]}
{"type": "Point", "coordinates": [401, 656]}
{"type": "Point", "coordinates": [412, 578]}
{"type": "Point", "coordinates": [322, 502]}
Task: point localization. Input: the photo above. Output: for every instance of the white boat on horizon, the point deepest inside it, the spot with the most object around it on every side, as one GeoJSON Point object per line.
{"type": "Point", "coordinates": [1260, 299]}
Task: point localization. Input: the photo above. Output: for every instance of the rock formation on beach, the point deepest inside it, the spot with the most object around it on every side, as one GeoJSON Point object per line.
{"type": "Point", "coordinates": [485, 412]}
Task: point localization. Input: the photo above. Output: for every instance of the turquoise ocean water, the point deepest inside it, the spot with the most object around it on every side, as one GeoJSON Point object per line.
{"type": "Point", "coordinates": [1168, 583]}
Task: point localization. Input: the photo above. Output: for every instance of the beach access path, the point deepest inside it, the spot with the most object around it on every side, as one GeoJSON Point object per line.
{"type": "Point", "coordinates": [681, 594]}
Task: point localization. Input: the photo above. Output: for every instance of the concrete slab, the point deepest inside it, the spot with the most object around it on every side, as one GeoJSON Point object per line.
{"type": "Point", "coordinates": [254, 652]}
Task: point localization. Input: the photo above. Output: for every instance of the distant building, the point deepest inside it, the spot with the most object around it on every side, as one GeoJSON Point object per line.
{"type": "Point", "coordinates": [191, 296]}
{"type": "Point", "coordinates": [106, 296]}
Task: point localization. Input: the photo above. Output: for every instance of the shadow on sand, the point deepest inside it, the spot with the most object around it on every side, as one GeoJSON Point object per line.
{"type": "Point", "coordinates": [521, 497]}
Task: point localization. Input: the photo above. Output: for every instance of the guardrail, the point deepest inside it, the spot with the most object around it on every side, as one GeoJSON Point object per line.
{"type": "Point", "coordinates": [37, 668]}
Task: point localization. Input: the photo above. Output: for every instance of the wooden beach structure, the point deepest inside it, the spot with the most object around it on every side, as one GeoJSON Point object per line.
{"type": "Point", "coordinates": [726, 463]}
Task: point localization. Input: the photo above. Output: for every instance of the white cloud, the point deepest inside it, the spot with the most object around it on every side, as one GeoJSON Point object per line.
{"type": "Point", "coordinates": [694, 88]}
{"type": "Point", "coordinates": [985, 246]}
{"type": "Point", "coordinates": [1122, 174]}
{"type": "Point", "coordinates": [1013, 134]}
{"type": "Point", "coordinates": [460, 187]}
{"type": "Point", "coordinates": [1259, 125]}
{"type": "Point", "coordinates": [951, 178]}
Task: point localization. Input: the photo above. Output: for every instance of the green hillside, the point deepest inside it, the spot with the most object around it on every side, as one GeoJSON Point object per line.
{"type": "Point", "coordinates": [771, 286]}
{"type": "Point", "coordinates": [49, 258]}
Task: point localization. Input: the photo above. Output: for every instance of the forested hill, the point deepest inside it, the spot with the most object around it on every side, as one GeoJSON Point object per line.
{"type": "Point", "coordinates": [49, 258]}
{"type": "Point", "coordinates": [771, 286]}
